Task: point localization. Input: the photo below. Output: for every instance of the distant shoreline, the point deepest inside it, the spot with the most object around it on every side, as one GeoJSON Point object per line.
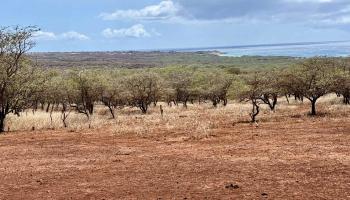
{"type": "Point", "coordinates": [205, 49]}
{"type": "Point", "coordinates": [297, 50]}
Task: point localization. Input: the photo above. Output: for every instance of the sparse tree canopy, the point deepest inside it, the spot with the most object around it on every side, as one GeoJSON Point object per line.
{"type": "Point", "coordinates": [143, 89]}
{"type": "Point", "coordinates": [341, 83]}
{"type": "Point", "coordinates": [261, 88]}
{"type": "Point", "coordinates": [18, 82]}
{"type": "Point", "coordinates": [252, 92]}
{"type": "Point", "coordinates": [24, 86]}
{"type": "Point", "coordinates": [312, 79]}
{"type": "Point", "coordinates": [212, 85]}
{"type": "Point", "coordinates": [114, 92]}
{"type": "Point", "coordinates": [180, 82]}
{"type": "Point", "coordinates": [88, 88]}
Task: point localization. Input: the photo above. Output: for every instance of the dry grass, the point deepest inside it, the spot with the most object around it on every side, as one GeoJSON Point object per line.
{"type": "Point", "coordinates": [288, 155]}
{"type": "Point", "coordinates": [198, 121]}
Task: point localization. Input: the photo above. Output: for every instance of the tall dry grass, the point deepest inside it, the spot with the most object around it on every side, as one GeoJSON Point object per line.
{"type": "Point", "coordinates": [197, 121]}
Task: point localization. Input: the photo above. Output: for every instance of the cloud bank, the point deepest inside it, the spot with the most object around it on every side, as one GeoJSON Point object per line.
{"type": "Point", "coordinates": [135, 31]}
{"type": "Point", "coordinates": [312, 12]}
{"type": "Point", "coordinates": [70, 35]}
{"type": "Point", "coordinates": [163, 10]}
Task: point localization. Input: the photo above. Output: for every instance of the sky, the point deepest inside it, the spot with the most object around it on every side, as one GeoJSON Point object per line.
{"type": "Point", "coordinates": [111, 25]}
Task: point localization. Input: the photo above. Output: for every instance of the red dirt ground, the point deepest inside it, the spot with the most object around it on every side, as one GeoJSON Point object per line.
{"type": "Point", "coordinates": [297, 159]}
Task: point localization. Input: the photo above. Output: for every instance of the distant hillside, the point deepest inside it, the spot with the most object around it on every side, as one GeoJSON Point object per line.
{"type": "Point", "coordinates": [156, 59]}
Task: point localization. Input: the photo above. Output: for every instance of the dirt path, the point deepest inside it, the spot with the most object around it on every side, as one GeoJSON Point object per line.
{"type": "Point", "coordinates": [298, 160]}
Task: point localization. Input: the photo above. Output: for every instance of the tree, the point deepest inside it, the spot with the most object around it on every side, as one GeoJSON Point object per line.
{"type": "Point", "coordinates": [89, 90]}
{"type": "Point", "coordinates": [212, 85]}
{"type": "Point", "coordinates": [261, 88]}
{"type": "Point", "coordinates": [341, 85]}
{"type": "Point", "coordinates": [180, 82]}
{"type": "Point", "coordinates": [312, 79]}
{"type": "Point", "coordinates": [60, 93]}
{"type": "Point", "coordinates": [17, 73]}
{"type": "Point", "coordinates": [114, 94]}
{"type": "Point", "coordinates": [270, 87]}
{"type": "Point", "coordinates": [252, 93]}
{"type": "Point", "coordinates": [143, 89]}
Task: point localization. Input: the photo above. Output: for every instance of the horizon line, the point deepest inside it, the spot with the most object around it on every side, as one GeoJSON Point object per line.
{"type": "Point", "coordinates": [199, 49]}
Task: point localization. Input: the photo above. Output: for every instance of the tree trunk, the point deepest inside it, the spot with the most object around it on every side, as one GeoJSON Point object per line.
{"type": "Point", "coordinates": [161, 110]}
{"type": "Point", "coordinates": [144, 107]}
{"type": "Point", "coordinates": [287, 98]}
{"type": "Point", "coordinates": [313, 107]}
{"type": "Point", "coordinates": [274, 103]}
{"type": "Point", "coordinates": [64, 117]}
{"type": "Point", "coordinates": [91, 108]}
{"type": "Point", "coordinates": [255, 111]}
{"type": "Point", "coordinates": [215, 103]}
{"type": "Point", "coordinates": [48, 107]}
{"type": "Point", "coordinates": [270, 100]}
{"type": "Point", "coordinates": [51, 111]}
{"type": "Point", "coordinates": [111, 111]}
{"type": "Point", "coordinates": [185, 104]}
{"type": "Point", "coordinates": [346, 100]}
{"type": "Point", "coordinates": [225, 101]}
{"type": "Point", "coordinates": [2, 122]}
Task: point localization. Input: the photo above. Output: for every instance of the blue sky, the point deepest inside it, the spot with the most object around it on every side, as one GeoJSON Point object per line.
{"type": "Point", "coordinates": [107, 25]}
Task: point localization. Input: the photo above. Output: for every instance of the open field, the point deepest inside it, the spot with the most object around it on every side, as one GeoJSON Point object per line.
{"type": "Point", "coordinates": [198, 153]}
{"type": "Point", "coordinates": [175, 99]}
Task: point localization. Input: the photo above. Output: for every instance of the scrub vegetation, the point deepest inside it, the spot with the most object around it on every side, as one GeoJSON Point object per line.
{"type": "Point", "coordinates": [27, 86]}
{"type": "Point", "coordinates": [168, 125]}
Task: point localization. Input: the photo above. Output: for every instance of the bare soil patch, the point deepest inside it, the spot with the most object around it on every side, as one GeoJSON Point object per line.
{"type": "Point", "coordinates": [294, 159]}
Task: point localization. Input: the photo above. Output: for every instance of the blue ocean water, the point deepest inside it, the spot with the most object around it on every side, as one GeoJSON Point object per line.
{"type": "Point", "coordinates": [331, 49]}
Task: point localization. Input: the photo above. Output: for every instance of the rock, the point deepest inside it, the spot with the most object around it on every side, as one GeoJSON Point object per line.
{"type": "Point", "coordinates": [264, 194]}
{"type": "Point", "coordinates": [40, 181]}
{"type": "Point", "coordinates": [232, 186]}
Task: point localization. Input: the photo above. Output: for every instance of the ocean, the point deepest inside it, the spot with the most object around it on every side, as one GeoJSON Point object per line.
{"type": "Point", "coordinates": [306, 49]}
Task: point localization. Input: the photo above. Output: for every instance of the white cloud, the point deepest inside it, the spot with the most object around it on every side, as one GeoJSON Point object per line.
{"type": "Point", "coordinates": [316, 13]}
{"type": "Point", "coordinates": [227, 11]}
{"type": "Point", "coordinates": [42, 35]}
{"type": "Point", "coordinates": [70, 35]}
{"type": "Point", "coordinates": [164, 10]}
{"type": "Point", "coordinates": [136, 31]}
{"type": "Point", "coordinates": [341, 20]}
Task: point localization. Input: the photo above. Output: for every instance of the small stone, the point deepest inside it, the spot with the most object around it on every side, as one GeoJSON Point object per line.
{"type": "Point", "coordinates": [231, 186]}
{"type": "Point", "coordinates": [40, 181]}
